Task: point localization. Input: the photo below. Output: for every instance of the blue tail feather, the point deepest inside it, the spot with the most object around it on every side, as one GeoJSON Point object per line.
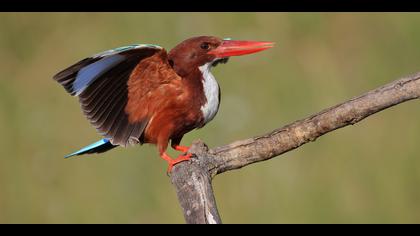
{"type": "Point", "coordinates": [102, 145]}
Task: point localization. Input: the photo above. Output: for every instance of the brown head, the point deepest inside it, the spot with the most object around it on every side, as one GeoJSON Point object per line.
{"type": "Point", "coordinates": [197, 51]}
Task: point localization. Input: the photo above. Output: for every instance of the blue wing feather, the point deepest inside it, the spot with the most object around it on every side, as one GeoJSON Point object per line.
{"type": "Point", "coordinates": [97, 147]}
{"type": "Point", "coordinates": [110, 58]}
{"type": "Point", "coordinates": [78, 77]}
{"type": "Point", "coordinates": [90, 73]}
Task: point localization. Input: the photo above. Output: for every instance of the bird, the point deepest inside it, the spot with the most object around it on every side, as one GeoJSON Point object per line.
{"type": "Point", "coordinates": [141, 93]}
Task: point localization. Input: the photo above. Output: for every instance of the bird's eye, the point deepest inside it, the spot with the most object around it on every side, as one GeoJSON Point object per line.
{"type": "Point", "coordinates": [205, 46]}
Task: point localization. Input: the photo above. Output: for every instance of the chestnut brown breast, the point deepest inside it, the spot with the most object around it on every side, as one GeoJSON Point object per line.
{"type": "Point", "coordinates": [171, 104]}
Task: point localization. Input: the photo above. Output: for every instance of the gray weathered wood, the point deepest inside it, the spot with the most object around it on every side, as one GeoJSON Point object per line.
{"type": "Point", "coordinates": [194, 189]}
{"type": "Point", "coordinates": [192, 179]}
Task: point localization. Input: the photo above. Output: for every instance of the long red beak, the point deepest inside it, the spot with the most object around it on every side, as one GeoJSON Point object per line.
{"type": "Point", "coordinates": [238, 47]}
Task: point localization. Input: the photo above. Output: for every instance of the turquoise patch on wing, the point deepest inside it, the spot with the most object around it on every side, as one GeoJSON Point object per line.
{"type": "Point", "coordinates": [125, 48]}
{"type": "Point", "coordinates": [89, 147]}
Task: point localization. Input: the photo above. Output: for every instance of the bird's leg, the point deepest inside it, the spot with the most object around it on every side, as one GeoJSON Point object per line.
{"type": "Point", "coordinates": [181, 148]}
{"type": "Point", "coordinates": [175, 145]}
{"type": "Point", "coordinates": [162, 145]}
{"type": "Point", "coordinates": [172, 162]}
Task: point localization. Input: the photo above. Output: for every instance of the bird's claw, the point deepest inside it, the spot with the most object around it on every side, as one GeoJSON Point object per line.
{"type": "Point", "coordinates": [181, 148]}
{"type": "Point", "coordinates": [179, 159]}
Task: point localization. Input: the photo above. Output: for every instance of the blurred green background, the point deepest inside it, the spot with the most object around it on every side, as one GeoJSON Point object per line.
{"type": "Point", "coordinates": [366, 173]}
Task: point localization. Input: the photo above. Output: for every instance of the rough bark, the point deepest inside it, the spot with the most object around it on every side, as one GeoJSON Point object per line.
{"type": "Point", "coordinates": [192, 179]}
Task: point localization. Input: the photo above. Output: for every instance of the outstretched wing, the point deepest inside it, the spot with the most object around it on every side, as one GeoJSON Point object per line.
{"type": "Point", "coordinates": [100, 82]}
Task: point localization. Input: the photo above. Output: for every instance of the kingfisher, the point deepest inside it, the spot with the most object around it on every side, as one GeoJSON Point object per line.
{"type": "Point", "coordinates": [141, 94]}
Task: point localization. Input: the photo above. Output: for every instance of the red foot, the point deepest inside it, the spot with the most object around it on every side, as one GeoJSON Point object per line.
{"type": "Point", "coordinates": [175, 161]}
{"type": "Point", "coordinates": [181, 148]}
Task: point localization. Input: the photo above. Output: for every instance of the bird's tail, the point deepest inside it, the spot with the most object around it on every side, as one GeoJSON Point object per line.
{"type": "Point", "coordinates": [102, 145]}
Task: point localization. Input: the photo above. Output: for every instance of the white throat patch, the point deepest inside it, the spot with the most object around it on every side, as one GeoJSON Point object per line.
{"type": "Point", "coordinates": [211, 91]}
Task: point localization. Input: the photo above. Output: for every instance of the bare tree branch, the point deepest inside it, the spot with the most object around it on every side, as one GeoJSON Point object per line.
{"type": "Point", "coordinates": [194, 190]}
{"type": "Point", "coordinates": [192, 180]}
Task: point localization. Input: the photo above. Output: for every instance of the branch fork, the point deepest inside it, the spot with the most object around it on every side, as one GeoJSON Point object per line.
{"type": "Point", "coordinates": [192, 179]}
